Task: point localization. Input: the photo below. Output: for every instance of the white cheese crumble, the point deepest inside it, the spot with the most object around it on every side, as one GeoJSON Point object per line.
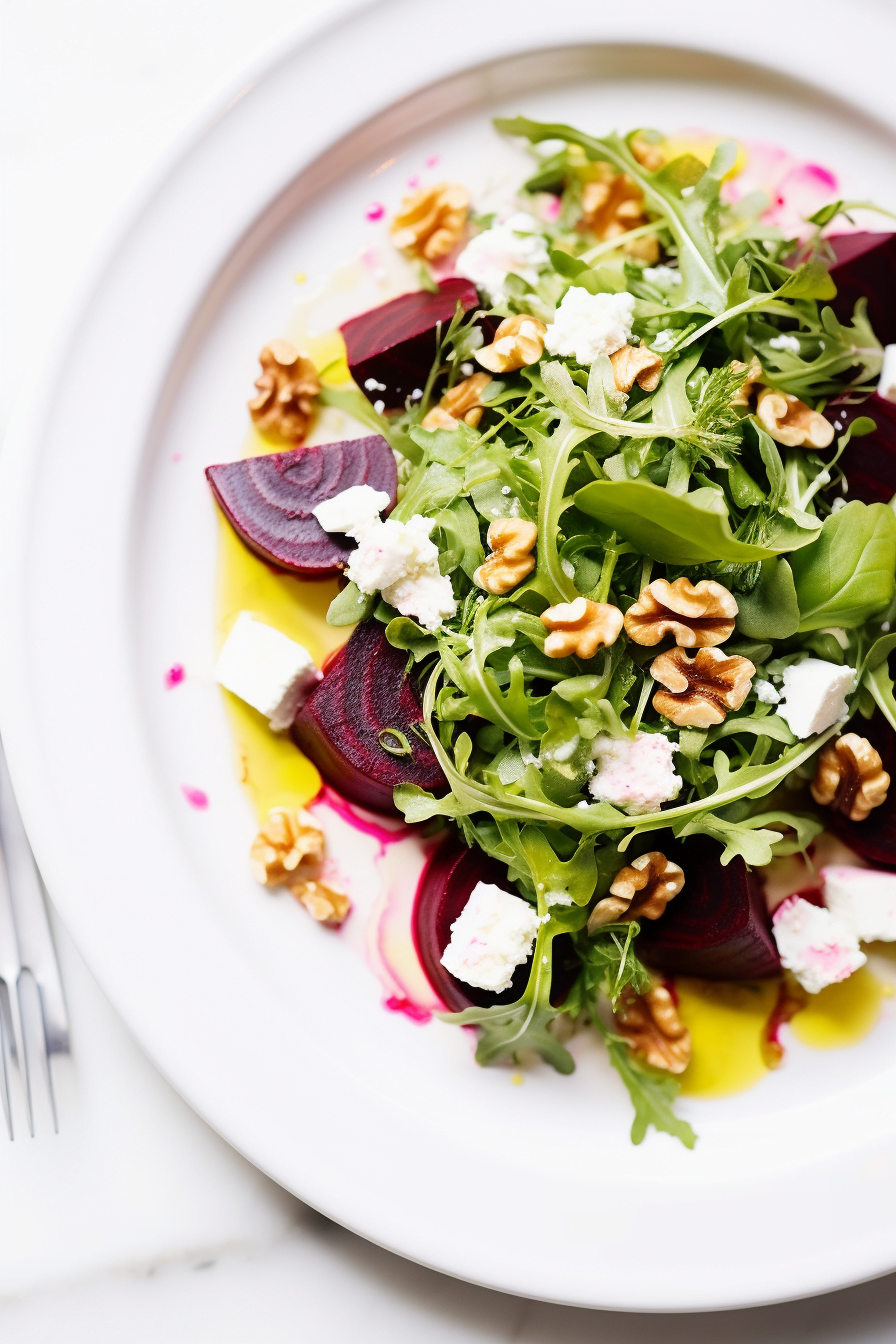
{"type": "Point", "coordinates": [351, 510]}
{"type": "Point", "coordinates": [814, 692]}
{"type": "Point", "coordinates": [587, 325]}
{"type": "Point", "coordinates": [400, 561]}
{"type": "Point", "coordinates": [664, 277]}
{"type": "Point", "coordinates": [765, 692]}
{"type": "Point", "coordinates": [665, 340]}
{"type": "Point", "coordinates": [814, 944]}
{"type": "Point", "coordinates": [886, 386]}
{"type": "Point", "coordinates": [636, 773]}
{"type": "Point", "coordinates": [785, 342]}
{"type": "Point", "coordinates": [267, 669]}
{"type": "Point", "coordinates": [491, 936]}
{"type": "Point", "coordinates": [514, 247]}
{"type": "Point", "coordinates": [864, 900]}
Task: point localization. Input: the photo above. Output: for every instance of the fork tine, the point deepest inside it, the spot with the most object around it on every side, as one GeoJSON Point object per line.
{"type": "Point", "coordinates": [7, 1046]}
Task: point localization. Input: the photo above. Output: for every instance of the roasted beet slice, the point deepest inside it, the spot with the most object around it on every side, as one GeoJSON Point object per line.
{"type": "Point", "coordinates": [444, 889]}
{"type": "Point", "coordinates": [873, 839]}
{"type": "Point", "coordinates": [395, 345]}
{"type": "Point", "coordinates": [865, 267]}
{"type": "Point", "coordinates": [869, 462]}
{"type": "Point", "coordinates": [718, 926]}
{"type": "Point", "coordinates": [268, 500]}
{"type": "Point", "coordinates": [365, 691]}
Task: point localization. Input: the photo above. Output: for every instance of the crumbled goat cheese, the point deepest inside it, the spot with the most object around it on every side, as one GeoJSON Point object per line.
{"type": "Point", "coordinates": [267, 669]}
{"type": "Point", "coordinates": [491, 936]}
{"type": "Point", "coordinates": [785, 342]}
{"type": "Point", "coordinates": [665, 340]}
{"type": "Point", "coordinates": [886, 386]}
{"type": "Point", "coordinates": [558, 898]}
{"type": "Point", "coordinates": [587, 325]}
{"type": "Point", "coordinates": [372, 385]}
{"type": "Point", "coordinates": [838, 504]}
{"type": "Point", "coordinates": [765, 692]}
{"type": "Point", "coordinates": [515, 247]}
{"type": "Point", "coordinates": [351, 510]}
{"type": "Point", "coordinates": [635, 774]}
{"type": "Point", "coordinates": [813, 943]}
{"type": "Point", "coordinates": [814, 692]}
{"type": "Point", "coordinates": [864, 900]}
{"type": "Point", "coordinates": [664, 277]}
{"type": "Point", "coordinates": [400, 561]}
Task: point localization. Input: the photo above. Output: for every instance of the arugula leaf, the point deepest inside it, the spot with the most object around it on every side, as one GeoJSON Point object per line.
{"type": "Point", "coordinates": [652, 1092]}
{"type": "Point", "coordinates": [351, 605]}
{"type": "Point", "coordinates": [771, 610]}
{"type": "Point", "coordinates": [403, 633]}
{"type": "Point", "coordinates": [609, 965]}
{"type": "Point", "coordinates": [688, 529]}
{"type": "Point", "coordinates": [849, 572]}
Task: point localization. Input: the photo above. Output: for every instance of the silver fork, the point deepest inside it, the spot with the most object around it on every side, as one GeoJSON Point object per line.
{"type": "Point", "coordinates": [29, 971]}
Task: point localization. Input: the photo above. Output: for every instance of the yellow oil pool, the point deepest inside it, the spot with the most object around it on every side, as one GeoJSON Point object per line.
{"type": "Point", "coordinates": [841, 1014]}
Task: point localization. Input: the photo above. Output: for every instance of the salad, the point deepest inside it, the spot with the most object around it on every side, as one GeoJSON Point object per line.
{"type": "Point", "coordinates": [617, 553]}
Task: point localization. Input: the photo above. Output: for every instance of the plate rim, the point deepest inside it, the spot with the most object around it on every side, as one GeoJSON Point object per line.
{"type": "Point", "coordinates": [19, 465]}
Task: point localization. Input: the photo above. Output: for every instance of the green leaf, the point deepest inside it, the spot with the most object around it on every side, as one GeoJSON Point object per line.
{"type": "Point", "coordinates": [403, 633]}
{"type": "Point", "coordinates": [809, 281]}
{"type": "Point", "coordinates": [652, 1092]}
{"type": "Point", "coordinates": [609, 965]}
{"type": "Point", "coordinates": [771, 610]}
{"type": "Point", "coordinates": [351, 605]}
{"type": "Point", "coordinates": [849, 572]}
{"type": "Point", "coordinates": [460, 544]}
{"type": "Point", "coordinates": [688, 529]}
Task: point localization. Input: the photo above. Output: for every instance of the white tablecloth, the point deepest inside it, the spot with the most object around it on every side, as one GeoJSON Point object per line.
{"type": "Point", "coordinates": [137, 1223]}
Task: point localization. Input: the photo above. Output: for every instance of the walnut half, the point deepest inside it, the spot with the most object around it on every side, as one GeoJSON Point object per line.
{"type": "Point", "coordinates": [324, 902]}
{"type": "Point", "coordinates": [461, 402]}
{"type": "Point", "coordinates": [287, 386]}
{"type": "Point", "coordinates": [651, 1025]}
{"type": "Point", "coordinates": [636, 364]}
{"type": "Point", "coordinates": [511, 560]}
{"type": "Point", "coordinates": [849, 777]}
{"type": "Point", "coordinates": [698, 692]}
{"type": "Point", "coordinates": [791, 422]}
{"type": "Point", "coordinates": [698, 615]}
{"type": "Point", "coordinates": [288, 837]}
{"type": "Point", "coordinates": [431, 222]}
{"type": "Point", "coordinates": [640, 891]}
{"type": "Point", "coordinates": [580, 628]}
{"type": "Point", "coordinates": [519, 341]}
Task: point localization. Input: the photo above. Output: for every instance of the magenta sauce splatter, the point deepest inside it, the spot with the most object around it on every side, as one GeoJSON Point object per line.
{"type": "Point", "coordinates": [432, 161]}
{"type": "Point", "coordinates": [197, 798]}
{"type": "Point", "coordinates": [413, 183]}
{"type": "Point", "coordinates": [374, 211]}
{"type": "Point", "coordinates": [397, 1005]}
{"type": "Point", "coordinates": [177, 457]}
{"type": "Point", "coordinates": [385, 835]}
{"type": "Point", "coordinates": [174, 676]}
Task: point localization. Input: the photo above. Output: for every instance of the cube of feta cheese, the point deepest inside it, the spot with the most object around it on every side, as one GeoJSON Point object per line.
{"type": "Point", "coordinates": [814, 944]}
{"type": "Point", "coordinates": [491, 936]}
{"type": "Point", "coordinates": [267, 669]}
{"type": "Point", "coordinates": [587, 325]}
{"type": "Point", "coordinates": [636, 773]}
{"type": "Point", "coordinates": [351, 510]}
{"type": "Point", "coordinates": [814, 692]}
{"type": "Point", "coordinates": [886, 386]}
{"type": "Point", "coordinates": [401, 561]}
{"type": "Point", "coordinates": [864, 899]}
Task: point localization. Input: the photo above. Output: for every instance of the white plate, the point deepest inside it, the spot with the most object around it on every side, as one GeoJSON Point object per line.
{"type": "Point", "coordinates": [272, 1028]}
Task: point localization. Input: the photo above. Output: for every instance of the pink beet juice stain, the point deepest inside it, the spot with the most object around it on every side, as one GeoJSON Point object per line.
{"type": "Point", "coordinates": [197, 798]}
{"type": "Point", "coordinates": [411, 1010]}
{"type": "Point", "coordinates": [174, 676]}
{"type": "Point", "coordinates": [413, 182]}
{"type": "Point", "coordinates": [433, 161]}
{"type": "Point", "coordinates": [385, 835]}
{"type": "Point", "coordinates": [374, 211]}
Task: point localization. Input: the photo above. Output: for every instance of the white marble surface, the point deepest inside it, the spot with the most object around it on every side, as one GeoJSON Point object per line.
{"type": "Point", "coordinates": [137, 1222]}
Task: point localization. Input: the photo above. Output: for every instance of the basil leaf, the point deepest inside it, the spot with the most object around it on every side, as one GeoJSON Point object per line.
{"type": "Point", "coordinates": [849, 572]}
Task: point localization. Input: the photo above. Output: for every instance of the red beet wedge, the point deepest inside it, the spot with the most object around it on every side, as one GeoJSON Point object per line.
{"type": "Point", "coordinates": [717, 927]}
{"type": "Point", "coordinates": [865, 266]}
{"type": "Point", "coordinates": [869, 462]}
{"type": "Point", "coordinates": [268, 500]}
{"type": "Point", "coordinates": [394, 345]}
{"type": "Point", "coordinates": [444, 889]}
{"type": "Point", "coordinates": [874, 839]}
{"type": "Point", "coordinates": [342, 726]}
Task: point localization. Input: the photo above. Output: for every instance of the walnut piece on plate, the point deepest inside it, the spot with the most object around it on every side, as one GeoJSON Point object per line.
{"type": "Point", "coordinates": [431, 222]}
{"type": "Point", "coordinates": [287, 386]}
{"type": "Point", "coordinates": [636, 364]}
{"type": "Point", "coordinates": [519, 341]}
{"type": "Point", "coordinates": [461, 402]}
{"type": "Point", "coordinates": [697, 615]}
{"type": "Point", "coordinates": [698, 692]}
{"type": "Point", "coordinates": [651, 1025]}
{"type": "Point", "coordinates": [580, 628]}
{"type": "Point", "coordinates": [849, 777]}
{"type": "Point", "coordinates": [642, 890]}
{"type": "Point", "coordinates": [791, 422]}
{"type": "Point", "coordinates": [511, 541]}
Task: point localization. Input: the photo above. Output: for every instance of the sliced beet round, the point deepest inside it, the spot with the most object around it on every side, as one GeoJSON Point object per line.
{"type": "Point", "coordinates": [718, 926]}
{"type": "Point", "coordinates": [449, 877]}
{"type": "Point", "coordinates": [873, 839]}
{"type": "Point", "coordinates": [363, 693]}
{"type": "Point", "coordinates": [394, 345]}
{"type": "Point", "coordinates": [268, 500]}
{"type": "Point", "coordinates": [865, 267]}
